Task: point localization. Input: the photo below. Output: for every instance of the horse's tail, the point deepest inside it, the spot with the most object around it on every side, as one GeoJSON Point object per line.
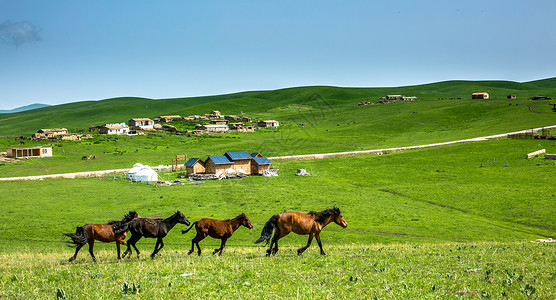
{"type": "Point", "coordinates": [268, 228]}
{"type": "Point", "coordinates": [80, 237]}
{"type": "Point", "coordinates": [186, 231]}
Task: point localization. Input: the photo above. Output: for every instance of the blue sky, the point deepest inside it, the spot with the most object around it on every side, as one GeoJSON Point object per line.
{"type": "Point", "coordinates": [57, 51]}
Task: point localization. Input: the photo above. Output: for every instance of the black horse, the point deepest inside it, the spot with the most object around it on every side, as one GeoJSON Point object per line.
{"type": "Point", "coordinates": [150, 228]}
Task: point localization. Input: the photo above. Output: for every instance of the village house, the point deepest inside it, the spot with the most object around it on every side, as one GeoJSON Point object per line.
{"type": "Point", "coordinates": [47, 134]}
{"type": "Point", "coordinates": [215, 164]}
{"type": "Point", "coordinates": [141, 124]}
{"type": "Point", "coordinates": [219, 122]}
{"type": "Point", "coordinates": [212, 128]}
{"type": "Point", "coordinates": [195, 166]}
{"type": "Point", "coordinates": [117, 129]}
{"type": "Point", "coordinates": [166, 119]}
{"type": "Point", "coordinates": [37, 151]}
{"type": "Point", "coordinates": [393, 97]}
{"type": "Point", "coordinates": [241, 160]}
{"type": "Point", "coordinates": [240, 127]}
{"type": "Point", "coordinates": [260, 164]}
{"type": "Point", "coordinates": [482, 95]}
{"type": "Point", "coordinates": [268, 123]}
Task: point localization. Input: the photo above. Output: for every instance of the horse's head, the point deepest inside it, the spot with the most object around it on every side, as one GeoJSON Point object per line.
{"type": "Point", "coordinates": [245, 221]}
{"type": "Point", "coordinates": [339, 218]}
{"type": "Point", "coordinates": [181, 218]}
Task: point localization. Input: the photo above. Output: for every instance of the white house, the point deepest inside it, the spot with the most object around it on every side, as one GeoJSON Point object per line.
{"type": "Point", "coordinates": [268, 123]}
{"type": "Point", "coordinates": [119, 128]}
{"type": "Point", "coordinates": [141, 124]}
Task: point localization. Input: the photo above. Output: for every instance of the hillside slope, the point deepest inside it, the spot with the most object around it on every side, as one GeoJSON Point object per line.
{"type": "Point", "coordinates": [80, 115]}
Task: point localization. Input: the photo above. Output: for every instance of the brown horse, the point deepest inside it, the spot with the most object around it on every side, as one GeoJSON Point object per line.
{"type": "Point", "coordinates": [301, 223]}
{"type": "Point", "coordinates": [99, 231]}
{"type": "Point", "coordinates": [222, 230]}
{"type": "Point", "coordinates": [150, 228]}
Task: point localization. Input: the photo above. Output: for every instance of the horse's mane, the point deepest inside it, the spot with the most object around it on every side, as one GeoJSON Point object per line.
{"type": "Point", "coordinates": [322, 215]}
{"type": "Point", "coordinates": [130, 216]}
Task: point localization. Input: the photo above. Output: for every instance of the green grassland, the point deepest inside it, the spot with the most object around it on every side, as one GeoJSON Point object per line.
{"type": "Point", "coordinates": [313, 120]}
{"type": "Point", "coordinates": [445, 222]}
{"type": "Point", "coordinates": [433, 223]}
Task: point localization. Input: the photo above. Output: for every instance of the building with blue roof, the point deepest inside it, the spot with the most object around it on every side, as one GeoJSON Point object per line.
{"type": "Point", "coordinates": [195, 166]}
{"type": "Point", "coordinates": [214, 164]}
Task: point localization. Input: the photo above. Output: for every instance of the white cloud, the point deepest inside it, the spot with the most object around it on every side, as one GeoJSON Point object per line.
{"type": "Point", "coordinates": [18, 33]}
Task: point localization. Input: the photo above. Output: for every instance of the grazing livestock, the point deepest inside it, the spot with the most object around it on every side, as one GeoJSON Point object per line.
{"type": "Point", "coordinates": [301, 223]}
{"type": "Point", "coordinates": [102, 232]}
{"type": "Point", "coordinates": [217, 229]}
{"type": "Point", "coordinates": [150, 228]}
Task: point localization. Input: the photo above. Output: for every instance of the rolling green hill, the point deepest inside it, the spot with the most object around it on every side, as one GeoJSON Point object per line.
{"type": "Point", "coordinates": [80, 115]}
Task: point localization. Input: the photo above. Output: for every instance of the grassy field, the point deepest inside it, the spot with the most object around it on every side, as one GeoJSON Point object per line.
{"type": "Point", "coordinates": [432, 223]}
{"type": "Point", "coordinates": [446, 222]}
{"type": "Point", "coordinates": [407, 271]}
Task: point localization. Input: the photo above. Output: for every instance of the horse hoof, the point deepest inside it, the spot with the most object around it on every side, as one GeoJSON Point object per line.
{"type": "Point", "coordinates": [71, 259]}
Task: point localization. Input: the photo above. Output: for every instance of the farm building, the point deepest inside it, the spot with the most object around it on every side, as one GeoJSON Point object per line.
{"type": "Point", "coordinates": [141, 124]}
{"type": "Point", "coordinates": [118, 128]}
{"type": "Point", "coordinates": [393, 97]}
{"type": "Point", "coordinates": [482, 95]}
{"type": "Point", "coordinates": [268, 123]}
{"type": "Point", "coordinates": [241, 160]}
{"type": "Point", "coordinates": [260, 164]}
{"type": "Point", "coordinates": [195, 166]}
{"type": "Point", "coordinates": [240, 127]}
{"type": "Point", "coordinates": [540, 98]}
{"type": "Point", "coordinates": [45, 134]}
{"type": "Point", "coordinates": [212, 127]}
{"type": "Point", "coordinates": [166, 119]}
{"type": "Point", "coordinates": [219, 122]}
{"type": "Point", "coordinates": [37, 151]}
{"type": "Point", "coordinates": [215, 164]}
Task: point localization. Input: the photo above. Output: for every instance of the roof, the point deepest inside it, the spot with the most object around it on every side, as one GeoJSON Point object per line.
{"type": "Point", "coordinates": [214, 126]}
{"type": "Point", "coordinates": [218, 160]}
{"type": "Point", "coordinates": [262, 161]}
{"type": "Point", "coordinates": [141, 119]}
{"type": "Point", "coordinates": [234, 155]}
{"type": "Point", "coordinates": [255, 154]}
{"type": "Point", "coordinates": [192, 161]}
{"type": "Point", "coordinates": [480, 93]}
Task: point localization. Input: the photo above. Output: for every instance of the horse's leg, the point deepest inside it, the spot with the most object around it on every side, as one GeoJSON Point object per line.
{"type": "Point", "coordinates": [273, 241]}
{"type": "Point", "coordinates": [160, 243]}
{"type": "Point", "coordinates": [91, 246]}
{"type": "Point", "coordinates": [75, 255]}
{"type": "Point", "coordinates": [199, 237]}
{"type": "Point", "coordinates": [317, 236]}
{"type": "Point", "coordinates": [301, 250]}
{"type": "Point", "coordinates": [222, 244]}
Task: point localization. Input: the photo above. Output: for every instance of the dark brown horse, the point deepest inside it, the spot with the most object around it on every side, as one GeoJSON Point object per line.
{"type": "Point", "coordinates": [301, 223]}
{"type": "Point", "coordinates": [217, 229]}
{"type": "Point", "coordinates": [150, 228]}
{"type": "Point", "coordinates": [100, 231]}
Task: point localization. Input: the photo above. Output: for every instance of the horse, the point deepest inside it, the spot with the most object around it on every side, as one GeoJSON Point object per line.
{"type": "Point", "coordinates": [217, 229]}
{"type": "Point", "coordinates": [150, 228]}
{"type": "Point", "coordinates": [301, 223]}
{"type": "Point", "coordinates": [99, 231]}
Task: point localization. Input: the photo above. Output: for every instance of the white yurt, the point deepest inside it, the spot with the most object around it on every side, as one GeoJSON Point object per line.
{"type": "Point", "coordinates": [142, 173]}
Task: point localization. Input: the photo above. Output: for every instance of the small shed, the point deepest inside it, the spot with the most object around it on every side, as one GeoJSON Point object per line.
{"type": "Point", "coordinates": [481, 95]}
{"type": "Point", "coordinates": [37, 151]}
{"type": "Point", "coordinates": [241, 160]}
{"type": "Point", "coordinates": [260, 164]}
{"type": "Point", "coordinates": [195, 166]}
{"type": "Point", "coordinates": [166, 119]}
{"type": "Point", "coordinates": [214, 164]}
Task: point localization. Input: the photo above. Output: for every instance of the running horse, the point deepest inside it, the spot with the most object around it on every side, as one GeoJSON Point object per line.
{"type": "Point", "coordinates": [217, 229]}
{"type": "Point", "coordinates": [301, 223]}
{"type": "Point", "coordinates": [101, 232]}
{"type": "Point", "coordinates": [150, 228]}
